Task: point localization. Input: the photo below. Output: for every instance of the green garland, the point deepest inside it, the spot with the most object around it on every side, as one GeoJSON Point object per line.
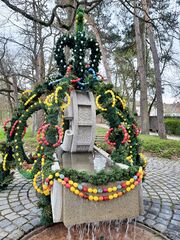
{"type": "Point", "coordinates": [75, 76]}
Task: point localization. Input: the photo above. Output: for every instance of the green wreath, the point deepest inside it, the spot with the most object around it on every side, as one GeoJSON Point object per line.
{"type": "Point", "coordinates": [122, 136]}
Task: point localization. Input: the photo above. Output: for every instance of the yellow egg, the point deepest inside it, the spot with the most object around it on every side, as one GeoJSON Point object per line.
{"type": "Point", "coordinates": [57, 174]}
{"type": "Point", "coordinates": [128, 189]}
{"type": "Point", "coordinates": [115, 195]}
{"type": "Point", "coordinates": [114, 189]}
{"type": "Point", "coordinates": [94, 190]}
{"type": "Point", "coordinates": [51, 182]}
{"type": "Point", "coordinates": [91, 198]}
{"type": "Point", "coordinates": [109, 189]}
{"type": "Point", "coordinates": [72, 189]}
{"type": "Point", "coordinates": [59, 180]}
{"type": "Point", "coordinates": [128, 183]}
{"type": "Point", "coordinates": [75, 185]}
{"type": "Point", "coordinates": [50, 176]}
{"type": "Point", "coordinates": [90, 190]}
{"type": "Point", "coordinates": [132, 186]}
{"type": "Point", "coordinates": [96, 198]}
{"type": "Point", "coordinates": [45, 187]}
{"type": "Point", "coordinates": [46, 192]}
{"type": "Point", "coordinates": [111, 197]}
{"type": "Point", "coordinates": [131, 180]}
{"type": "Point", "coordinates": [76, 192]}
{"type": "Point", "coordinates": [71, 182]}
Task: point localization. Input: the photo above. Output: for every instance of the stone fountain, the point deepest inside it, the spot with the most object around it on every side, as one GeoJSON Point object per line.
{"type": "Point", "coordinates": [78, 152]}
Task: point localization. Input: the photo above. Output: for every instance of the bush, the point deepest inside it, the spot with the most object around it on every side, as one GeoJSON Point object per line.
{"type": "Point", "coordinates": [172, 126]}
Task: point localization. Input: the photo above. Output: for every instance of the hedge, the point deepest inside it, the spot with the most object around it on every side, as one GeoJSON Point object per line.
{"type": "Point", "coordinates": [172, 126]}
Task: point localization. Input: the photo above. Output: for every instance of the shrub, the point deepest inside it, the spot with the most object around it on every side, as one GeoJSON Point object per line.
{"type": "Point", "coordinates": [172, 126]}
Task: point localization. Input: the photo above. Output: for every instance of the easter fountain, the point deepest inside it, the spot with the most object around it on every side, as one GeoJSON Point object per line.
{"type": "Point", "coordinates": [77, 182]}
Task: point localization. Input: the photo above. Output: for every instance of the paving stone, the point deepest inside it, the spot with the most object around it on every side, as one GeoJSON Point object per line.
{"type": "Point", "coordinates": [175, 222]}
{"type": "Point", "coordinates": [154, 211]}
{"type": "Point", "coordinates": [18, 208]}
{"type": "Point", "coordinates": [24, 212]}
{"type": "Point", "coordinates": [3, 201]}
{"type": "Point", "coordinates": [6, 211]}
{"type": "Point", "coordinates": [173, 227]}
{"type": "Point", "coordinates": [16, 234]}
{"type": "Point", "coordinates": [165, 216]}
{"type": "Point", "coordinates": [150, 222]}
{"type": "Point", "coordinates": [35, 222]}
{"type": "Point", "coordinates": [12, 216]}
{"type": "Point", "coordinates": [3, 234]}
{"type": "Point", "coordinates": [20, 221]}
{"type": "Point", "coordinates": [28, 206]}
{"type": "Point", "coordinates": [4, 223]}
{"type": "Point", "coordinates": [10, 228]}
{"type": "Point", "coordinates": [160, 227]}
{"type": "Point", "coordinates": [27, 227]}
{"type": "Point", "coordinates": [176, 217]}
{"type": "Point", "coordinates": [161, 220]}
{"type": "Point", "coordinates": [166, 211]}
{"type": "Point", "coordinates": [150, 216]}
{"type": "Point", "coordinates": [14, 204]}
{"type": "Point", "coordinates": [6, 206]}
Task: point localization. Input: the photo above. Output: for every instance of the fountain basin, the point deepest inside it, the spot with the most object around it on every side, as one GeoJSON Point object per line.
{"type": "Point", "coordinates": [72, 210]}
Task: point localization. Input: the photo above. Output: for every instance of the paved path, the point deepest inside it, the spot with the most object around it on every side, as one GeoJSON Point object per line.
{"type": "Point", "coordinates": [162, 197]}
{"type": "Point", "coordinates": [19, 213]}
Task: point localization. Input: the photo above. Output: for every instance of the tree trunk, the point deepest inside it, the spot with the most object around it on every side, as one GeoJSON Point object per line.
{"type": "Point", "coordinates": [160, 111]}
{"type": "Point", "coordinates": [134, 86]}
{"type": "Point", "coordinates": [14, 78]}
{"type": "Point", "coordinates": [142, 76]}
{"type": "Point", "coordinates": [102, 48]}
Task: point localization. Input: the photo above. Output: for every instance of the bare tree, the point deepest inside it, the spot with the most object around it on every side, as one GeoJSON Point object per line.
{"type": "Point", "coordinates": [142, 75]}
{"type": "Point", "coordinates": [150, 33]}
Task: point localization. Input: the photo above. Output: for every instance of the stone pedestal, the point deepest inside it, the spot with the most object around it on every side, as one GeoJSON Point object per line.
{"type": "Point", "coordinates": [82, 121]}
{"type": "Point", "coordinates": [77, 210]}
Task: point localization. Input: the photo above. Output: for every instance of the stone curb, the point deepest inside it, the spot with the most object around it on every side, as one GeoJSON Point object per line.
{"type": "Point", "coordinates": [33, 232]}
{"type": "Point", "coordinates": [152, 230]}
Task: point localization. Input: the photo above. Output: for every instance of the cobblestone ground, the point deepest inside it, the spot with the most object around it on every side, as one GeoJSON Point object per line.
{"type": "Point", "coordinates": [162, 197]}
{"type": "Point", "coordinates": [19, 213]}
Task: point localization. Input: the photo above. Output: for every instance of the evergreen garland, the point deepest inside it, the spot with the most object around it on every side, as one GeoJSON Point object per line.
{"type": "Point", "coordinates": [74, 75]}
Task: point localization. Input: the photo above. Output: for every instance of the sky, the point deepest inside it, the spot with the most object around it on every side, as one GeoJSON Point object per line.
{"type": "Point", "coordinates": [8, 30]}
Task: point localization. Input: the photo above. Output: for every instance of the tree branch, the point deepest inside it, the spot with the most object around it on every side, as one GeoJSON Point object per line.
{"type": "Point", "coordinates": [33, 18]}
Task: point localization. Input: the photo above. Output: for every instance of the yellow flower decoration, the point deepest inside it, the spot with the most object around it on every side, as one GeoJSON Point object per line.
{"type": "Point", "coordinates": [4, 162]}
{"type": "Point", "coordinates": [122, 101]}
{"type": "Point", "coordinates": [99, 105]}
{"type": "Point", "coordinates": [49, 99]}
{"type": "Point", "coordinates": [56, 93]}
{"type": "Point", "coordinates": [65, 105]}
{"type": "Point", "coordinates": [30, 99]}
{"type": "Point", "coordinates": [113, 97]}
{"type": "Point", "coordinates": [130, 159]}
{"type": "Point", "coordinates": [143, 159]}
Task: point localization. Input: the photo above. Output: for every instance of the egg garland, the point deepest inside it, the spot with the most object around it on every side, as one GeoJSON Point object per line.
{"type": "Point", "coordinates": [53, 97]}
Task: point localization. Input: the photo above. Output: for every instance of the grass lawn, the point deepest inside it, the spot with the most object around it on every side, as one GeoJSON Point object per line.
{"type": "Point", "coordinates": [154, 145]}
{"type": "Point", "coordinates": [163, 148]}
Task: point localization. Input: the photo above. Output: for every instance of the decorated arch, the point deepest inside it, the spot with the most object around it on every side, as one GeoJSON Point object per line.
{"type": "Point", "coordinates": [54, 97]}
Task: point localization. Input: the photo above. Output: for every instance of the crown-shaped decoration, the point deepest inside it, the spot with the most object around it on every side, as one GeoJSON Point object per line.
{"type": "Point", "coordinates": [79, 44]}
